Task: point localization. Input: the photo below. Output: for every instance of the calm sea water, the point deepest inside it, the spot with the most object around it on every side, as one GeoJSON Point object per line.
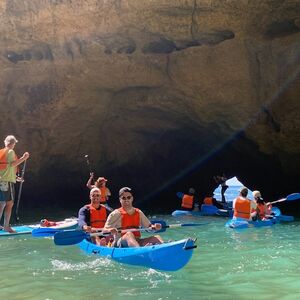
{"type": "Point", "coordinates": [256, 263]}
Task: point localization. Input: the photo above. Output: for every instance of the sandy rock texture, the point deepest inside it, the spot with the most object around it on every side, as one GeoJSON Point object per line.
{"type": "Point", "coordinates": [160, 94]}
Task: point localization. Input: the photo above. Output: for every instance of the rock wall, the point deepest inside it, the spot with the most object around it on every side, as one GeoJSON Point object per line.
{"type": "Point", "coordinates": [161, 95]}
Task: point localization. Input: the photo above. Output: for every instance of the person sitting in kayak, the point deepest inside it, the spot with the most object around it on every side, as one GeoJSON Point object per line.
{"type": "Point", "coordinates": [93, 216]}
{"type": "Point", "coordinates": [129, 217]}
{"type": "Point", "coordinates": [100, 183]}
{"type": "Point", "coordinates": [264, 210]}
{"type": "Point", "coordinates": [244, 208]}
{"type": "Point", "coordinates": [188, 201]}
{"type": "Point", "coordinates": [211, 200]}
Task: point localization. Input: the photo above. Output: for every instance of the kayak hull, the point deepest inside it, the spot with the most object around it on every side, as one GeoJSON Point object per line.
{"type": "Point", "coordinates": [206, 210]}
{"type": "Point", "coordinates": [240, 223]}
{"type": "Point", "coordinates": [170, 256]}
{"type": "Point", "coordinates": [70, 223]}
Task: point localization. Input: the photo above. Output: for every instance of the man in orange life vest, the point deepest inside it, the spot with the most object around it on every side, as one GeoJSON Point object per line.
{"type": "Point", "coordinates": [243, 208]}
{"type": "Point", "coordinates": [8, 178]}
{"type": "Point", "coordinates": [93, 216]}
{"type": "Point", "coordinates": [127, 217]}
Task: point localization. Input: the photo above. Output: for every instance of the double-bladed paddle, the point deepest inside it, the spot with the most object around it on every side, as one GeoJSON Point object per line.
{"type": "Point", "coordinates": [72, 237]}
{"type": "Point", "coordinates": [44, 231]}
{"type": "Point", "coordinates": [291, 197]}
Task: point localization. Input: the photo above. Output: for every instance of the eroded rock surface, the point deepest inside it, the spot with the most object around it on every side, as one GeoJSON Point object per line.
{"type": "Point", "coordinates": [162, 95]}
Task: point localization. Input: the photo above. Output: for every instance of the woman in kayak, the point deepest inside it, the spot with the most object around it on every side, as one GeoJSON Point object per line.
{"type": "Point", "coordinates": [129, 217]}
{"type": "Point", "coordinates": [100, 183]}
{"type": "Point", "coordinates": [263, 209]}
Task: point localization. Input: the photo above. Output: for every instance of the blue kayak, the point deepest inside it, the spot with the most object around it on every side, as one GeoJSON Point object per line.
{"type": "Point", "coordinates": [241, 223]}
{"type": "Point", "coordinates": [170, 256]}
{"type": "Point", "coordinates": [206, 210]}
{"type": "Point", "coordinates": [70, 223]}
{"type": "Point", "coordinates": [278, 217]}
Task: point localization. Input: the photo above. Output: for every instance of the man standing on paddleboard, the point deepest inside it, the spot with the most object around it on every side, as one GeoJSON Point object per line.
{"type": "Point", "coordinates": [8, 177]}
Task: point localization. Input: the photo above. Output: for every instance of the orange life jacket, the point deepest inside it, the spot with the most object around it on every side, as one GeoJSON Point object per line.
{"type": "Point", "coordinates": [187, 201]}
{"type": "Point", "coordinates": [261, 209]}
{"type": "Point", "coordinates": [3, 159]}
{"type": "Point", "coordinates": [103, 194]}
{"type": "Point", "coordinates": [242, 208]}
{"type": "Point", "coordinates": [130, 221]}
{"type": "Point", "coordinates": [97, 216]}
{"type": "Point", "coordinates": [208, 201]}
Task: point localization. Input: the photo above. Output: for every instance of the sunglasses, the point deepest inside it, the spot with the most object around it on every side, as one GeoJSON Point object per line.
{"type": "Point", "coordinates": [96, 195]}
{"type": "Point", "coordinates": [124, 197]}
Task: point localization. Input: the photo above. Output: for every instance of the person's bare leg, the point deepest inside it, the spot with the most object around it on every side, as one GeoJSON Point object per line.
{"type": "Point", "coordinates": [7, 215]}
{"type": "Point", "coordinates": [2, 205]}
{"type": "Point", "coordinates": [131, 240]}
{"type": "Point", "coordinates": [152, 240]}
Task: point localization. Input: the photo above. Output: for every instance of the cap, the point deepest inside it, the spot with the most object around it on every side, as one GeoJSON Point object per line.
{"type": "Point", "coordinates": [256, 194]}
{"type": "Point", "coordinates": [125, 189]}
{"type": "Point", "coordinates": [10, 139]}
{"type": "Point", "coordinates": [100, 179]}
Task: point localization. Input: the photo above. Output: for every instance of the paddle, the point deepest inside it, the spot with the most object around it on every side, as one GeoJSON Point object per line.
{"type": "Point", "coordinates": [44, 231]}
{"type": "Point", "coordinates": [88, 163]}
{"type": "Point", "coordinates": [20, 191]}
{"type": "Point", "coordinates": [72, 237]}
{"type": "Point", "coordinates": [291, 197]}
{"type": "Point", "coordinates": [164, 225]}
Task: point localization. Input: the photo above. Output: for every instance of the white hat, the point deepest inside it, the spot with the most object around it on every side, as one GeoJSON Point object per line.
{"type": "Point", "coordinates": [256, 194]}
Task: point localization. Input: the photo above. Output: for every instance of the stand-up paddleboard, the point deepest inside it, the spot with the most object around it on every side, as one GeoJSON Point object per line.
{"type": "Point", "coordinates": [70, 223]}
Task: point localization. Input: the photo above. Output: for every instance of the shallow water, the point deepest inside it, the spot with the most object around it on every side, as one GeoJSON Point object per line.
{"type": "Point", "coordinates": [254, 263]}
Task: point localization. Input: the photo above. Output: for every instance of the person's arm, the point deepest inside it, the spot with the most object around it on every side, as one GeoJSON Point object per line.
{"type": "Point", "coordinates": [113, 220]}
{"type": "Point", "coordinates": [145, 222]}
{"type": "Point", "coordinates": [89, 182]}
{"type": "Point", "coordinates": [82, 219]}
{"type": "Point", "coordinates": [18, 161]}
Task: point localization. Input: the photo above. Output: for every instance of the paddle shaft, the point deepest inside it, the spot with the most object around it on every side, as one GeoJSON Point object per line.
{"type": "Point", "coordinates": [20, 191]}
{"type": "Point", "coordinates": [88, 163]}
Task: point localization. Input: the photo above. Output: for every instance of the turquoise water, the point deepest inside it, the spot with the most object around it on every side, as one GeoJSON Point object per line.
{"type": "Point", "coordinates": [254, 263]}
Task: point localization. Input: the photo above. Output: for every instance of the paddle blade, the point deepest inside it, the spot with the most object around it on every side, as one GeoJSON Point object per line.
{"type": "Point", "coordinates": [43, 232]}
{"type": "Point", "coordinates": [69, 237]}
{"type": "Point", "coordinates": [163, 225]}
{"type": "Point", "coordinates": [292, 197]}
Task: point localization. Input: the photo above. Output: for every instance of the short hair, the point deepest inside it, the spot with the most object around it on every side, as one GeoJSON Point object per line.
{"type": "Point", "coordinates": [244, 191]}
{"type": "Point", "coordinates": [125, 189]}
{"type": "Point", "coordinates": [95, 189]}
{"type": "Point", "coordinates": [10, 139]}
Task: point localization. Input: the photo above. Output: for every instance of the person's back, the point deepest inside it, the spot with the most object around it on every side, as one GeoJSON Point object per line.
{"type": "Point", "coordinates": [188, 199]}
{"type": "Point", "coordinates": [242, 206]}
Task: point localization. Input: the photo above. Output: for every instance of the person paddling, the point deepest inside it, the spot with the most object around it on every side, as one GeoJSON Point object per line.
{"type": "Point", "coordinates": [127, 217]}
{"type": "Point", "coordinates": [93, 216]}
{"type": "Point", "coordinates": [8, 178]}
{"type": "Point", "coordinates": [244, 208]}
{"type": "Point", "coordinates": [264, 210]}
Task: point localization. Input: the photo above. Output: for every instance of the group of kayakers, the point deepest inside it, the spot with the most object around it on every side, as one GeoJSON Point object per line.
{"type": "Point", "coordinates": [246, 209]}
{"type": "Point", "coordinates": [119, 227]}
{"type": "Point", "coordinates": [243, 208]}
